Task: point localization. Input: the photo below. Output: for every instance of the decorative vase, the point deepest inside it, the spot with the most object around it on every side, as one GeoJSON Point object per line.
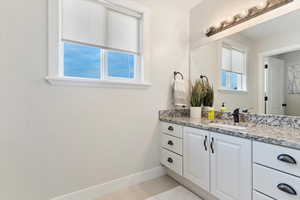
{"type": "Point", "coordinates": [196, 112]}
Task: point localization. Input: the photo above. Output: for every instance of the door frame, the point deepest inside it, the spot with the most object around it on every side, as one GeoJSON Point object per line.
{"type": "Point", "coordinates": [261, 71]}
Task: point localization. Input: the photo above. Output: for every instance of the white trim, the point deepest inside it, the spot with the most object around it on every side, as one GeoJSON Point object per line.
{"type": "Point", "coordinates": [70, 81]}
{"type": "Point", "coordinates": [119, 8]}
{"type": "Point", "coordinates": [100, 190]}
{"type": "Point", "coordinates": [225, 90]}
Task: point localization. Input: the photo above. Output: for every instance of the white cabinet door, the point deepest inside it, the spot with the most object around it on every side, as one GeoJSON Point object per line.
{"type": "Point", "coordinates": [196, 156]}
{"type": "Point", "coordinates": [231, 174]}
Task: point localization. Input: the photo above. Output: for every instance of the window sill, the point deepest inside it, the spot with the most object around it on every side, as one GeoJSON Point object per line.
{"type": "Point", "coordinates": [85, 82]}
{"type": "Point", "coordinates": [224, 90]}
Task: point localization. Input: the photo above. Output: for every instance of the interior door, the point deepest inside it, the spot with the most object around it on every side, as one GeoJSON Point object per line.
{"type": "Point", "coordinates": [275, 86]}
{"type": "Point", "coordinates": [196, 156]}
{"type": "Point", "coordinates": [231, 167]}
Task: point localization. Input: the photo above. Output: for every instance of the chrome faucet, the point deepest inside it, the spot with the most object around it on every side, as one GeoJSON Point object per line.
{"type": "Point", "coordinates": [236, 116]}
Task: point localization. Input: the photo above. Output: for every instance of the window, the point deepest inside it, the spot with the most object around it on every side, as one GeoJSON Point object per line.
{"type": "Point", "coordinates": [97, 41]}
{"type": "Point", "coordinates": [233, 70]}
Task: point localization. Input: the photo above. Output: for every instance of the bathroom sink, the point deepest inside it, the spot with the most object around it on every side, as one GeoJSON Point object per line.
{"type": "Point", "coordinates": [229, 126]}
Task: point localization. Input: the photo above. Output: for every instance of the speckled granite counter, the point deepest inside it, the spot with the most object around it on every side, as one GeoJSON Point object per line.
{"type": "Point", "coordinates": [283, 136]}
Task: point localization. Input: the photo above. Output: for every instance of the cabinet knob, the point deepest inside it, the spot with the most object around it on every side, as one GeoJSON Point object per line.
{"type": "Point", "coordinates": [170, 128]}
{"type": "Point", "coordinates": [170, 160]}
{"type": "Point", "coordinates": [287, 189]}
{"type": "Point", "coordinates": [170, 142]}
{"type": "Point", "coordinates": [287, 159]}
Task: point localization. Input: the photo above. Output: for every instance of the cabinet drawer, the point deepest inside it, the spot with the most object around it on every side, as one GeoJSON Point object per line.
{"type": "Point", "coordinates": [171, 161]}
{"type": "Point", "coordinates": [171, 129]}
{"type": "Point", "coordinates": [281, 158]}
{"type": "Point", "coordinates": [276, 184]}
{"type": "Point", "coordinates": [258, 196]}
{"type": "Point", "coordinates": [172, 143]}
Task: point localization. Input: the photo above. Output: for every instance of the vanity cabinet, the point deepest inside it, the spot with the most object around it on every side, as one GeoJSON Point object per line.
{"type": "Point", "coordinates": [219, 163]}
{"type": "Point", "coordinates": [171, 147]}
{"type": "Point", "coordinates": [276, 171]}
{"type": "Point", "coordinates": [259, 196]}
{"type": "Point", "coordinates": [231, 172]}
{"type": "Point", "coordinates": [196, 157]}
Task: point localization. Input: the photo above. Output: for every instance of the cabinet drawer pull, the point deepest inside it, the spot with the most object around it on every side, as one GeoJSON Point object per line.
{"type": "Point", "coordinates": [205, 143]}
{"type": "Point", "coordinates": [170, 143]}
{"type": "Point", "coordinates": [287, 159]}
{"type": "Point", "coordinates": [212, 146]}
{"type": "Point", "coordinates": [171, 128]}
{"type": "Point", "coordinates": [287, 189]}
{"type": "Point", "coordinates": [170, 160]}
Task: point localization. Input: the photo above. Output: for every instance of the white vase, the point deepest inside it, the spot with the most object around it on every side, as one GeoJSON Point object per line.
{"type": "Point", "coordinates": [196, 112]}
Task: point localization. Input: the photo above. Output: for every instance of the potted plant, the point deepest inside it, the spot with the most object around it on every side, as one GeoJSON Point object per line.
{"type": "Point", "coordinates": [208, 101]}
{"type": "Point", "coordinates": [197, 98]}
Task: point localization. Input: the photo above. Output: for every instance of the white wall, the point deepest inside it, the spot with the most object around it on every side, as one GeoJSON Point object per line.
{"type": "Point", "coordinates": [55, 140]}
{"type": "Point", "coordinates": [292, 100]}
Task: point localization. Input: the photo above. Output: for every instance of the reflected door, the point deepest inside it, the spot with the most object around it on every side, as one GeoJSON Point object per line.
{"type": "Point", "coordinates": [275, 86]}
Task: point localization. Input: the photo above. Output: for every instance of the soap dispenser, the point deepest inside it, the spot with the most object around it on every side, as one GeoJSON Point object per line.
{"type": "Point", "coordinates": [223, 108]}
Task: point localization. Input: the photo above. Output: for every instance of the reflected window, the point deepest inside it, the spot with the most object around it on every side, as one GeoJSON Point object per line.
{"type": "Point", "coordinates": [233, 70]}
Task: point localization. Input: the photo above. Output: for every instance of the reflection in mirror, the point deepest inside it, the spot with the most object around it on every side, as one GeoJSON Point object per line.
{"type": "Point", "coordinates": [257, 68]}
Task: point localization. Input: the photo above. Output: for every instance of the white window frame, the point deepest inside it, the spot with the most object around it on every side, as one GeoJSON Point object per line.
{"type": "Point", "coordinates": [104, 71]}
{"type": "Point", "coordinates": [56, 50]}
{"type": "Point", "coordinates": [237, 47]}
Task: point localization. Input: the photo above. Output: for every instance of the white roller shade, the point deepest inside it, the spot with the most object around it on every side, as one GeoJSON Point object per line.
{"type": "Point", "coordinates": [226, 59]}
{"type": "Point", "coordinates": [237, 61]}
{"type": "Point", "coordinates": [84, 21]}
{"type": "Point", "coordinates": [123, 32]}
{"type": "Point", "coordinates": [91, 22]}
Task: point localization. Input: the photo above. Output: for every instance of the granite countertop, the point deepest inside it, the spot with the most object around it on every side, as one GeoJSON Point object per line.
{"type": "Point", "coordinates": [283, 136]}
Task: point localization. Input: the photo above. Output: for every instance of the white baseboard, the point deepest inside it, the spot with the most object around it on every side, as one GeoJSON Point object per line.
{"type": "Point", "coordinates": [100, 190]}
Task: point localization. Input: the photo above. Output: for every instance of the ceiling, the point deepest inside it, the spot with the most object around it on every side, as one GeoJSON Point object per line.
{"type": "Point", "coordinates": [289, 22]}
{"type": "Point", "coordinates": [182, 4]}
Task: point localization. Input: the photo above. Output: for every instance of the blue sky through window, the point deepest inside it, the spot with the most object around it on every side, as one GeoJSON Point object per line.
{"type": "Point", "coordinates": [85, 62]}
{"type": "Point", "coordinates": [120, 65]}
{"type": "Point", "coordinates": [81, 61]}
{"type": "Point", "coordinates": [233, 83]}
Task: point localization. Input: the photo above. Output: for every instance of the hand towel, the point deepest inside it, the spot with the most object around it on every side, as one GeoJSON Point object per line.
{"type": "Point", "coordinates": [179, 91]}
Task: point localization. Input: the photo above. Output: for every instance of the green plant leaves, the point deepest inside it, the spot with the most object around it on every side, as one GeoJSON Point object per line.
{"type": "Point", "coordinates": [202, 93]}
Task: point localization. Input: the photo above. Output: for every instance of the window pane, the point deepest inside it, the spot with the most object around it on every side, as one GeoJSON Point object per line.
{"type": "Point", "coordinates": [236, 81]}
{"type": "Point", "coordinates": [225, 79]}
{"type": "Point", "coordinates": [121, 65]}
{"type": "Point", "coordinates": [81, 61]}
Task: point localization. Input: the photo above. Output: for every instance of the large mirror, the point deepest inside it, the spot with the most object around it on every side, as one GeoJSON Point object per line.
{"type": "Point", "coordinates": [256, 69]}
